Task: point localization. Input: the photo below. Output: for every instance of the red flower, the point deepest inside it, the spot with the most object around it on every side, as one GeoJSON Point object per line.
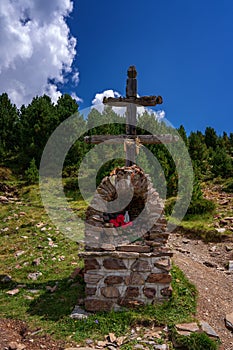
{"type": "Point", "coordinates": [119, 221]}
{"type": "Point", "coordinates": [114, 222]}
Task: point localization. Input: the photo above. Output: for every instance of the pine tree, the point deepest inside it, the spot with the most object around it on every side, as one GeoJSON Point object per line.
{"type": "Point", "coordinates": [38, 120]}
{"type": "Point", "coordinates": [222, 163]}
{"type": "Point", "coordinates": [211, 138]}
{"type": "Point", "coordinates": [9, 126]}
{"type": "Point", "coordinates": [32, 173]}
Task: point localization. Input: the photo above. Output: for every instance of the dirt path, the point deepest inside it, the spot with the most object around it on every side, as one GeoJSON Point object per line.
{"type": "Point", "coordinates": [214, 285]}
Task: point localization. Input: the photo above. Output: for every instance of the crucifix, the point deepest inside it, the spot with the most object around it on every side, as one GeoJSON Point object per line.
{"type": "Point", "coordinates": [131, 101]}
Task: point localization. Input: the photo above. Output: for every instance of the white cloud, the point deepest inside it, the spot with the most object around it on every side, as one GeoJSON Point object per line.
{"type": "Point", "coordinates": [157, 114]}
{"type": "Point", "coordinates": [107, 93]}
{"type": "Point", "coordinates": [160, 114]}
{"type": "Point", "coordinates": [37, 49]}
{"type": "Point", "coordinates": [75, 78]}
{"type": "Point", "coordinates": [75, 97]}
{"type": "Point", "coordinates": [97, 102]}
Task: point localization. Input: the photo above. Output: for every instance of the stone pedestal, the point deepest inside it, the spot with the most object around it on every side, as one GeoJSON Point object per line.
{"type": "Point", "coordinates": [116, 280]}
{"type": "Point", "coordinates": [128, 266]}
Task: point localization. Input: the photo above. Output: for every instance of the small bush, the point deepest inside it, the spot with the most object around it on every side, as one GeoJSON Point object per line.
{"type": "Point", "coordinates": [32, 173]}
{"type": "Point", "coordinates": [228, 187]}
{"type": "Point", "coordinates": [196, 341]}
{"type": "Point", "coordinates": [197, 207]}
{"type": "Point", "coordinates": [71, 184]}
{"type": "Point", "coordinates": [169, 205]}
{"type": "Point", "coordinates": [201, 206]}
{"type": "Point", "coordinates": [70, 171]}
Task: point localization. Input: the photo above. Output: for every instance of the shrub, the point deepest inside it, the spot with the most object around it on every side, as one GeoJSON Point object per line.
{"type": "Point", "coordinates": [70, 171]}
{"type": "Point", "coordinates": [196, 207]}
{"type": "Point", "coordinates": [71, 184]}
{"type": "Point", "coordinates": [196, 341]}
{"type": "Point", "coordinates": [228, 187]}
{"type": "Point", "coordinates": [201, 206]}
{"type": "Point", "coordinates": [32, 173]}
{"type": "Point", "coordinates": [169, 205]}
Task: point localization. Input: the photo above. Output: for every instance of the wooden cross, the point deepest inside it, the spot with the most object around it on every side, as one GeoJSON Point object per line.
{"type": "Point", "coordinates": [131, 101]}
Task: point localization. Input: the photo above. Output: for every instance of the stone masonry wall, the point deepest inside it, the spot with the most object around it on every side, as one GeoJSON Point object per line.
{"type": "Point", "coordinates": [117, 280]}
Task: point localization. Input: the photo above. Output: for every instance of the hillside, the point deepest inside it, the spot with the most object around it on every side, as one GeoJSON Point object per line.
{"type": "Point", "coordinates": [37, 267]}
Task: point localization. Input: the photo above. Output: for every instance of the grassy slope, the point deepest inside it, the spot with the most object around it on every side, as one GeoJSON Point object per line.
{"type": "Point", "coordinates": [204, 225]}
{"type": "Point", "coordinates": [22, 242]}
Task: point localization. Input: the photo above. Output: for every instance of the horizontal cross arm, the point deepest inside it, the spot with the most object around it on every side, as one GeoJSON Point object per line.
{"type": "Point", "coordinates": [145, 139]}
{"type": "Point", "coordinates": [141, 101]}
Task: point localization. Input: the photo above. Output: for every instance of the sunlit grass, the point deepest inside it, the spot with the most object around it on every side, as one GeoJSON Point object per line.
{"type": "Point", "coordinates": [26, 235]}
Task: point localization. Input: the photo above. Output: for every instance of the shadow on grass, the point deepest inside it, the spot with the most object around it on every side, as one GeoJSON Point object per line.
{"type": "Point", "coordinates": [56, 307]}
{"type": "Point", "coordinates": [50, 305]}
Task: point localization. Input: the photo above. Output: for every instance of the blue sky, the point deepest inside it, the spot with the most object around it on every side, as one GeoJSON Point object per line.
{"type": "Point", "coordinates": [183, 50]}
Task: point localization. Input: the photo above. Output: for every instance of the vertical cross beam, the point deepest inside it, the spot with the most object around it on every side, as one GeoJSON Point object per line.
{"type": "Point", "coordinates": [131, 114]}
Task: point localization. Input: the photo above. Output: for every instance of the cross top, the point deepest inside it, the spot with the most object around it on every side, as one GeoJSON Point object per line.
{"type": "Point", "coordinates": [131, 93]}
{"type": "Point", "coordinates": [131, 101]}
{"type": "Point", "coordinates": [131, 85]}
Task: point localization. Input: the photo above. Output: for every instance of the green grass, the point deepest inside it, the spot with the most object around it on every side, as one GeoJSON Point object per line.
{"type": "Point", "coordinates": [196, 341]}
{"type": "Point", "coordinates": [197, 222]}
{"type": "Point", "coordinates": [19, 234]}
{"type": "Point", "coordinates": [51, 311]}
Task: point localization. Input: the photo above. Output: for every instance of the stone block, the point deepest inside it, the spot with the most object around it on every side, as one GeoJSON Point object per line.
{"type": "Point", "coordinates": [114, 264]}
{"type": "Point", "coordinates": [158, 253]}
{"type": "Point", "coordinates": [159, 278]}
{"type": "Point", "coordinates": [132, 292]}
{"type": "Point", "coordinates": [95, 305]}
{"type": "Point", "coordinates": [91, 264]}
{"type": "Point", "coordinates": [188, 327]}
{"type": "Point", "coordinates": [149, 292]}
{"type": "Point", "coordinates": [110, 254]}
{"type": "Point", "coordinates": [126, 255]}
{"type": "Point", "coordinates": [163, 221]}
{"type": "Point", "coordinates": [110, 292]}
{"type": "Point", "coordinates": [134, 278]}
{"type": "Point", "coordinates": [208, 329]}
{"type": "Point", "coordinates": [90, 291]}
{"type": "Point", "coordinates": [134, 248]}
{"type": "Point", "coordinates": [107, 246]}
{"type": "Point", "coordinates": [92, 278]}
{"type": "Point", "coordinates": [230, 265]}
{"type": "Point", "coordinates": [159, 235]}
{"type": "Point", "coordinates": [153, 244]}
{"type": "Point", "coordinates": [158, 227]}
{"type": "Point", "coordinates": [141, 265]}
{"type": "Point", "coordinates": [163, 264]}
{"type": "Point", "coordinates": [113, 279]}
{"type": "Point", "coordinates": [229, 321]}
{"type": "Point", "coordinates": [130, 303]}
{"type": "Point", "coordinates": [166, 292]}
{"type": "Point", "coordinates": [91, 222]}
{"type": "Point", "coordinates": [156, 270]}
{"type": "Point", "coordinates": [92, 246]}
